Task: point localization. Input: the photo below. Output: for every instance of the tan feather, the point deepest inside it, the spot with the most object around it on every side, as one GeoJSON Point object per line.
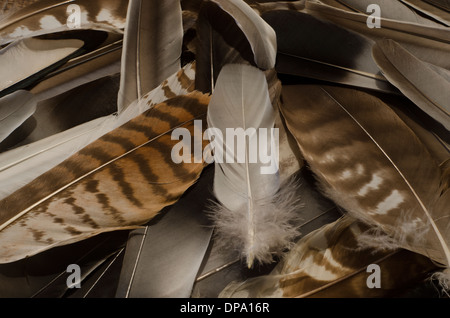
{"type": "Point", "coordinates": [50, 16]}
{"type": "Point", "coordinates": [436, 140]}
{"type": "Point", "coordinates": [21, 165]}
{"type": "Point", "coordinates": [371, 163]}
{"type": "Point", "coordinates": [120, 181]}
{"type": "Point", "coordinates": [393, 10]}
{"type": "Point", "coordinates": [426, 86]}
{"type": "Point", "coordinates": [98, 63]}
{"type": "Point", "coordinates": [324, 51]}
{"type": "Point", "coordinates": [430, 10]}
{"type": "Point", "coordinates": [328, 263]}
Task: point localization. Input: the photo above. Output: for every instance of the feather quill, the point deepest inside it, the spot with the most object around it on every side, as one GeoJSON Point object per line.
{"type": "Point", "coordinates": [14, 110]}
{"type": "Point", "coordinates": [231, 32]}
{"type": "Point", "coordinates": [253, 217]}
{"type": "Point", "coordinates": [324, 51]}
{"type": "Point", "coordinates": [328, 263]}
{"type": "Point", "coordinates": [50, 16]}
{"type": "Point", "coordinates": [21, 165]}
{"type": "Point", "coordinates": [420, 82]}
{"type": "Point", "coordinates": [153, 41]}
{"type": "Point", "coordinates": [68, 203]}
{"type": "Point", "coordinates": [370, 163]}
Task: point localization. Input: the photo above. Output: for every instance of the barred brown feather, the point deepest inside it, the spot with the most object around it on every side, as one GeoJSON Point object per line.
{"type": "Point", "coordinates": [48, 16]}
{"type": "Point", "coordinates": [329, 263]}
{"type": "Point", "coordinates": [120, 181]}
{"type": "Point", "coordinates": [372, 165]}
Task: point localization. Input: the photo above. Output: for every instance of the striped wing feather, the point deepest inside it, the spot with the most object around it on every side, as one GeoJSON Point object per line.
{"type": "Point", "coordinates": [371, 164]}
{"type": "Point", "coordinates": [49, 16]}
{"type": "Point", "coordinates": [120, 181]}
{"type": "Point", "coordinates": [328, 263]}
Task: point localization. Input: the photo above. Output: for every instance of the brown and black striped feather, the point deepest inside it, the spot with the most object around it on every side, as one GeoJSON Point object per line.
{"type": "Point", "coordinates": [328, 263]}
{"type": "Point", "coordinates": [122, 180]}
{"type": "Point", "coordinates": [371, 164]}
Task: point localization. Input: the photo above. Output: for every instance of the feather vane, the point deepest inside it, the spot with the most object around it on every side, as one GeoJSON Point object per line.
{"type": "Point", "coordinates": [424, 84]}
{"type": "Point", "coordinates": [21, 165]}
{"type": "Point", "coordinates": [363, 169]}
{"type": "Point", "coordinates": [328, 263]}
{"type": "Point", "coordinates": [68, 203]}
{"type": "Point", "coordinates": [152, 47]}
{"type": "Point", "coordinates": [50, 16]}
{"type": "Point", "coordinates": [252, 216]}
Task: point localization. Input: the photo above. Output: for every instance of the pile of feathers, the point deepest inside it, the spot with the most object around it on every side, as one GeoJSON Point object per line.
{"type": "Point", "coordinates": [116, 179]}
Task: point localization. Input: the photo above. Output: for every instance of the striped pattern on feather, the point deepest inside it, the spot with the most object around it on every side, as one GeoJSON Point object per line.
{"type": "Point", "coordinates": [49, 16]}
{"type": "Point", "coordinates": [20, 166]}
{"type": "Point", "coordinates": [119, 181]}
{"type": "Point", "coordinates": [328, 262]}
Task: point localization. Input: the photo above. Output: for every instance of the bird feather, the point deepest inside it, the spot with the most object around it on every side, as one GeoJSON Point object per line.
{"type": "Point", "coordinates": [30, 56]}
{"type": "Point", "coordinates": [220, 269]}
{"type": "Point", "coordinates": [393, 10]}
{"type": "Point", "coordinates": [328, 263]}
{"type": "Point", "coordinates": [324, 51]}
{"type": "Point", "coordinates": [45, 275]}
{"type": "Point", "coordinates": [231, 32]}
{"type": "Point", "coordinates": [428, 43]}
{"type": "Point", "coordinates": [427, 88]}
{"type": "Point", "coordinates": [371, 163]}
{"type": "Point", "coordinates": [148, 271]}
{"type": "Point", "coordinates": [51, 16]}
{"type": "Point", "coordinates": [153, 40]}
{"type": "Point", "coordinates": [430, 10]}
{"type": "Point", "coordinates": [67, 110]}
{"type": "Point", "coordinates": [90, 193]}
{"type": "Point", "coordinates": [14, 110]}
{"type": "Point", "coordinates": [93, 65]}
{"type": "Point", "coordinates": [438, 147]}
{"type": "Point", "coordinates": [443, 4]}
{"type": "Point", "coordinates": [21, 165]}
{"type": "Point", "coordinates": [252, 216]}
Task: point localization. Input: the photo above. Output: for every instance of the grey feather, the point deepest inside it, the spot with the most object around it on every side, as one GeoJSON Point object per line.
{"type": "Point", "coordinates": [152, 47]}
{"type": "Point", "coordinates": [422, 84]}
{"type": "Point", "coordinates": [14, 110]}
{"type": "Point", "coordinates": [324, 51]}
